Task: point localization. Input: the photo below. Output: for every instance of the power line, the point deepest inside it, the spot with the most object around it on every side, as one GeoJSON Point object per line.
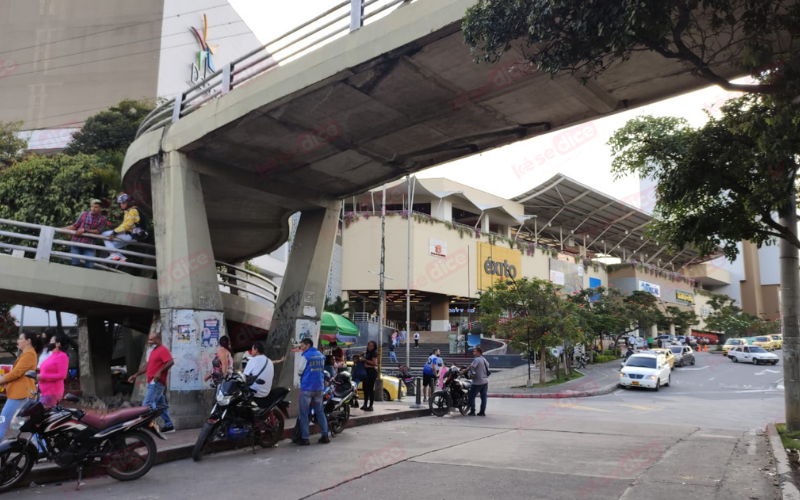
{"type": "Point", "coordinates": [116, 29]}
{"type": "Point", "coordinates": [16, 75]}
{"type": "Point", "coordinates": [119, 45]}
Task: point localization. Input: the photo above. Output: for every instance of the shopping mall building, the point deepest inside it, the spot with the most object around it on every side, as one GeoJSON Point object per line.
{"type": "Point", "coordinates": [463, 240]}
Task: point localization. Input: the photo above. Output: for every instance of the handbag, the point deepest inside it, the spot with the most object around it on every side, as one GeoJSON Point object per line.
{"type": "Point", "coordinates": [251, 379]}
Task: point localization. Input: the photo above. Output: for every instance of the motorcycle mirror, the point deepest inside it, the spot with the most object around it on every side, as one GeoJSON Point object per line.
{"type": "Point", "coordinates": [260, 382]}
{"type": "Point", "coordinates": [31, 374]}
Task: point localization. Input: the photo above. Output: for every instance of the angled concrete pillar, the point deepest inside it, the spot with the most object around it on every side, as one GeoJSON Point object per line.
{"type": "Point", "coordinates": [298, 311]}
{"type": "Point", "coordinates": [188, 292]}
{"type": "Point", "coordinates": [94, 357]}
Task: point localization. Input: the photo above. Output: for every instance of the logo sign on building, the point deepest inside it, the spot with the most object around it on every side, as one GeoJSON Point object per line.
{"type": "Point", "coordinates": [204, 66]}
{"type": "Point", "coordinates": [685, 297]}
{"type": "Point", "coordinates": [496, 264]}
{"type": "Point", "coordinates": [644, 286]}
{"type": "Point", "coordinates": [438, 248]}
{"type": "Point", "coordinates": [458, 310]}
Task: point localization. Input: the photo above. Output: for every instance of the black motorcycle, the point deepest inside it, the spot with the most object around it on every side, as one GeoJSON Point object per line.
{"type": "Point", "coordinates": [338, 396]}
{"type": "Point", "coordinates": [238, 415]}
{"type": "Point", "coordinates": [453, 395]}
{"type": "Point", "coordinates": [115, 441]}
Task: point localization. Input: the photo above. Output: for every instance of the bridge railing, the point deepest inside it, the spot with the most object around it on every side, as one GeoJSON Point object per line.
{"type": "Point", "coordinates": [343, 18]}
{"type": "Point", "coordinates": [41, 243]}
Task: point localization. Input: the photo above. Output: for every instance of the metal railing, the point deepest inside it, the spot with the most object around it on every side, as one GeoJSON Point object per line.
{"type": "Point", "coordinates": [40, 242]}
{"type": "Point", "coordinates": [345, 17]}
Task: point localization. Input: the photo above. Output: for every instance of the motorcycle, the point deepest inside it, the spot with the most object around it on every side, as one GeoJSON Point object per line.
{"type": "Point", "coordinates": [237, 415]}
{"type": "Point", "coordinates": [453, 395]}
{"type": "Point", "coordinates": [336, 401]}
{"type": "Point", "coordinates": [114, 441]}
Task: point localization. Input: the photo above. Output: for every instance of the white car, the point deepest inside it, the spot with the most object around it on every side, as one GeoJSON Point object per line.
{"type": "Point", "coordinates": [751, 354]}
{"type": "Point", "coordinates": [645, 370]}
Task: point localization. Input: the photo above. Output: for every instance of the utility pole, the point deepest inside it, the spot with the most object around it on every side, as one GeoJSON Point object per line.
{"type": "Point", "coordinates": [382, 300]}
{"type": "Point", "coordinates": [408, 274]}
{"type": "Point", "coordinates": [790, 308]}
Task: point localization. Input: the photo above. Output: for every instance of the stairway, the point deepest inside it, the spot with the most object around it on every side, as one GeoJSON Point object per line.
{"type": "Point", "coordinates": [419, 356]}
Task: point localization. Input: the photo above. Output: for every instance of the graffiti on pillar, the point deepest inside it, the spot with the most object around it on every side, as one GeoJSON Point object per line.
{"type": "Point", "coordinates": [282, 326]}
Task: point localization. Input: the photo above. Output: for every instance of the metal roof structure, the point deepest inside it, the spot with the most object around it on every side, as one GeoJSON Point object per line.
{"type": "Point", "coordinates": [570, 213]}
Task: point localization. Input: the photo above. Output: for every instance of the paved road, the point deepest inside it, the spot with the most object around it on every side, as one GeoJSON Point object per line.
{"type": "Point", "coordinates": [699, 438]}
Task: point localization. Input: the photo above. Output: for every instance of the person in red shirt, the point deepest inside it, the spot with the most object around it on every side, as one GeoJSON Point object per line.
{"type": "Point", "coordinates": [159, 361]}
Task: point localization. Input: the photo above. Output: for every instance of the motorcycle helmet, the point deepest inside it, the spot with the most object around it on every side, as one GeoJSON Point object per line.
{"type": "Point", "coordinates": [123, 198]}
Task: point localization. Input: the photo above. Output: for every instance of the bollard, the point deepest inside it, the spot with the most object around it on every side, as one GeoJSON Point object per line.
{"type": "Point", "coordinates": [418, 391]}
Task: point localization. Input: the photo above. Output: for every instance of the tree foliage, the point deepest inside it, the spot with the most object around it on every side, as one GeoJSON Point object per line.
{"type": "Point", "coordinates": [729, 319]}
{"type": "Point", "coordinates": [609, 312]}
{"type": "Point", "coordinates": [111, 130]}
{"type": "Point", "coordinates": [683, 320]}
{"type": "Point", "coordinates": [337, 306]}
{"type": "Point", "coordinates": [588, 38]}
{"type": "Point", "coordinates": [11, 146]}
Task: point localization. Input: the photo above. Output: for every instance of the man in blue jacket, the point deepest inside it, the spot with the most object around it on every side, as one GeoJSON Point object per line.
{"type": "Point", "coordinates": [312, 384]}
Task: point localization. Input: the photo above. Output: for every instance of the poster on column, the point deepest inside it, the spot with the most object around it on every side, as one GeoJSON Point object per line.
{"type": "Point", "coordinates": [212, 325]}
{"type": "Point", "coordinates": [210, 332]}
{"type": "Point", "coordinates": [185, 375]}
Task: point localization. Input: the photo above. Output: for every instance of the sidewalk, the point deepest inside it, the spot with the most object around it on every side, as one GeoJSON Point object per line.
{"type": "Point", "coordinates": [597, 380]}
{"type": "Point", "coordinates": [180, 443]}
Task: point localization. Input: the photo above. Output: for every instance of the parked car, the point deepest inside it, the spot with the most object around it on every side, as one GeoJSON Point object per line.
{"type": "Point", "coordinates": [684, 355]}
{"type": "Point", "coordinates": [666, 339]}
{"type": "Point", "coordinates": [666, 353]}
{"type": "Point", "coordinates": [393, 388]}
{"type": "Point", "coordinates": [778, 338]}
{"type": "Point", "coordinates": [764, 341]}
{"type": "Point", "coordinates": [645, 370]}
{"type": "Point", "coordinates": [752, 354]}
{"type": "Point", "coordinates": [731, 343]}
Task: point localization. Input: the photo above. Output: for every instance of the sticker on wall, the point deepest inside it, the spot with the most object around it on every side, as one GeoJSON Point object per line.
{"type": "Point", "coordinates": [438, 248]}
{"type": "Point", "coordinates": [305, 329]}
{"type": "Point", "coordinates": [309, 311]}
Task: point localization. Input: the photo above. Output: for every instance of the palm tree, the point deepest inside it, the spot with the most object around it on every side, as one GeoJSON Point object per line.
{"type": "Point", "coordinates": [337, 306]}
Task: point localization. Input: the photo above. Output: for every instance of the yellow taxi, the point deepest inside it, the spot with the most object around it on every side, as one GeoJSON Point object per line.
{"type": "Point", "coordinates": [778, 339]}
{"type": "Point", "coordinates": [667, 353]}
{"type": "Point", "coordinates": [731, 343]}
{"type": "Point", "coordinates": [765, 342]}
{"type": "Point", "coordinates": [393, 387]}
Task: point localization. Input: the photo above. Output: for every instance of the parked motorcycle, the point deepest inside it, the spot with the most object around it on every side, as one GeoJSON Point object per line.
{"type": "Point", "coordinates": [454, 394]}
{"type": "Point", "coordinates": [337, 397]}
{"type": "Point", "coordinates": [238, 415]}
{"type": "Point", "coordinates": [115, 441]}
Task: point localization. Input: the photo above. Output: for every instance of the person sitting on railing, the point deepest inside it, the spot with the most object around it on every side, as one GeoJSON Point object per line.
{"type": "Point", "coordinates": [119, 237]}
{"type": "Point", "coordinates": [91, 222]}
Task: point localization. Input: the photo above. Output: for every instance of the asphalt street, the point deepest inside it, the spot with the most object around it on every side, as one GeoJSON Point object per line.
{"type": "Point", "coordinates": [702, 437]}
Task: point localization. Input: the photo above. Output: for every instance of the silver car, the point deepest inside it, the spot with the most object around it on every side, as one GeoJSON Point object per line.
{"type": "Point", "coordinates": [683, 355]}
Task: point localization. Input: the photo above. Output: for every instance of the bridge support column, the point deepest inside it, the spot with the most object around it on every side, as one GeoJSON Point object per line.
{"type": "Point", "coordinates": [191, 319]}
{"type": "Point", "coordinates": [94, 357]}
{"type": "Point", "coordinates": [298, 311]}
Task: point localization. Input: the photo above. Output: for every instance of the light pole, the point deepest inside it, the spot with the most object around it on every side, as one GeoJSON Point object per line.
{"type": "Point", "coordinates": [512, 281]}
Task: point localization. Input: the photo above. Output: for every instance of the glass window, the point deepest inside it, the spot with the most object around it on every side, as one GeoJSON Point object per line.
{"type": "Point", "coordinates": [676, 350]}
{"type": "Point", "coordinates": [757, 349]}
{"type": "Point", "coordinates": [641, 362]}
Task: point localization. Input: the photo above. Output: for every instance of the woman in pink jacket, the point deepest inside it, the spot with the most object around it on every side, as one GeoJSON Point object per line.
{"type": "Point", "coordinates": [53, 370]}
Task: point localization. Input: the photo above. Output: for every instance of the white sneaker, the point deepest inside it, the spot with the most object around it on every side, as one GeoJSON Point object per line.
{"type": "Point", "coordinates": [424, 400]}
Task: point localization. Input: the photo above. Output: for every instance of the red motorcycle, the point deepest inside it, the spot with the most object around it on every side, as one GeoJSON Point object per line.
{"type": "Point", "coordinates": [116, 441]}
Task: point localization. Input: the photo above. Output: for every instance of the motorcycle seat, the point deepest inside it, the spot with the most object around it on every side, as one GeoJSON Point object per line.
{"type": "Point", "coordinates": [272, 398]}
{"type": "Point", "coordinates": [106, 420]}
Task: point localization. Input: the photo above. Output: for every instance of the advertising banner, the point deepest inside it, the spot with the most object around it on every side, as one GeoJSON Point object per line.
{"type": "Point", "coordinates": [438, 248]}
{"type": "Point", "coordinates": [644, 286]}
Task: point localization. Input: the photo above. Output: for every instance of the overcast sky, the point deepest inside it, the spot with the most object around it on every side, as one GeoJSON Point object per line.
{"type": "Point", "coordinates": [494, 171]}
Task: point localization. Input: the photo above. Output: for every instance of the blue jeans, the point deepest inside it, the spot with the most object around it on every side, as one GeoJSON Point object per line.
{"type": "Point", "coordinates": [9, 410]}
{"type": "Point", "coordinates": [309, 400]}
{"type": "Point", "coordinates": [155, 397]}
{"type": "Point", "coordinates": [85, 252]}
{"type": "Point", "coordinates": [120, 241]}
{"type": "Point", "coordinates": [473, 391]}
{"type": "Point", "coordinates": [392, 356]}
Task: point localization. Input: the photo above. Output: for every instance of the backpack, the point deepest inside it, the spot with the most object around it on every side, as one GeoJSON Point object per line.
{"type": "Point", "coordinates": [139, 232]}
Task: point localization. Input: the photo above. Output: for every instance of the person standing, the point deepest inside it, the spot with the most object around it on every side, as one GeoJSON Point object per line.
{"type": "Point", "coordinates": [429, 373]}
{"type": "Point", "coordinates": [394, 338]}
{"type": "Point", "coordinates": [338, 356]}
{"type": "Point", "coordinates": [312, 384]}
{"type": "Point", "coordinates": [53, 371]}
{"type": "Point", "coordinates": [222, 364]}
{"type": "Point", "coordinates": [480, 381]}
{"type": "Point", "coordinates": [416, 339]}
{"type": "Point", "coordinates": [371, 364]}
{"type": "Point", "coordinates": [359, 375]}
{"type": "Point", "coordinates": [392, 355]}
{"type": "Point", "coordinates": [19, 387]}
{"type": "Point", "coordinates": [119, 238]}
{"type": "Point", "coordinates": [402, 337]}
{"type": "Point", "coordinates": [159, 361]}
{"type": "Point", "coordinates": [91, 222]}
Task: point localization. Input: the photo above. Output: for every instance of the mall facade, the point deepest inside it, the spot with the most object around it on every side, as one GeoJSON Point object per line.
{"type": "Point", "coordinates": [463, 240]}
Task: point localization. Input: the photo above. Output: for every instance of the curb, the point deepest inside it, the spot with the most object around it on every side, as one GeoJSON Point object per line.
{"type": "Point", "coordinates": [789, 490]}
{"type": "Point", "coordinates": [606, 389]}
{"type": "Point", "coordinates": [51, 473]}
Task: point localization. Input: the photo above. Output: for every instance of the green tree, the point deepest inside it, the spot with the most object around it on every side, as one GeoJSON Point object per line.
{"type": "Point", "coordinates": [683, 320]}
{"type": "Point", "coordinates": [608, 312]}
{"type": "Point", "coordinates": [337, 306]}
{"type": "Point", "coordinates": [110, 130]}
{"type": "Point", "coordinates": [531, 313]}
{"type": "Point", "coordinates": [587, 38]}
{"type": "Point", "coordinates": [11, 146]}
{"type": "Point", "coordinates": [729, 319]}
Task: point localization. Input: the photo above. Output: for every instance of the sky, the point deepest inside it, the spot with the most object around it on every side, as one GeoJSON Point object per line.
{"type": "Point", "coordinates": [589, 164]}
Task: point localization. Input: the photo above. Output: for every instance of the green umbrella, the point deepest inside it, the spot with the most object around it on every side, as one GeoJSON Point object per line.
{"type": "Point", "coordinates": [334, 323]}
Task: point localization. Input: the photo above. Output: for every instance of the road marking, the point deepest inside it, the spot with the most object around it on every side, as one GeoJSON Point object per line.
{"type": "Point", "coordinates": [764, 372]}
{"type": "Point", "coordinates": [577, 407]}
{"type": "Point", "coordinates": [638, 407]}
{"type": "Point", "coordinates": [693, 369]}
{"type": "Point", "coordinates": [712, 378]}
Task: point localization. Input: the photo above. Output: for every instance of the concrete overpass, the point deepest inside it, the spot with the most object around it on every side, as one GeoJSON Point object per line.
{"type": "Point", "coordinates": [300, 125]}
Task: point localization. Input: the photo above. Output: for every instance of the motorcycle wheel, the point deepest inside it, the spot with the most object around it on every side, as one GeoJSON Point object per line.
{"type": "Point", "coordinates": [271, 438]}
{"type": "Point", "coordinates": [440, 404]}
{"type": "Point", "coordinates": [14, 466]}
{"type": "Point", "coordinates": [203, 440]}
{"type": "Point", "coordinates": [341, 423]}
{"type": "Point", "coordinates": [464, 408]}
{"type": "Point", "coordinates": [125, 463]}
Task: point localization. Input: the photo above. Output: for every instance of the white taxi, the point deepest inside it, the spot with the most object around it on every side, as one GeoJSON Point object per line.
{"type": "Point", "coordinates": [645, 370]}
{"type": "Point", "coordinates": [752, 354]}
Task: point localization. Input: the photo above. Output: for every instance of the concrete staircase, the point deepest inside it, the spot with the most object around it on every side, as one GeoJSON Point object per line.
{"type": "Point", "coordinates": [419, 356]}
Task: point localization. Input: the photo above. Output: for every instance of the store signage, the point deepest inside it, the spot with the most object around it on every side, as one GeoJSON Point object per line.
{"type": "Point", "coordinates": [204, 66]}
{"type": "Point", "coordinates": [461, 310]}
{"type": "Point", "coordinates": [684, 297]}
{"type": "Point", "coordinates": [438, 248]}
{"type": "Point", "coordinates": [495, 263]}
{"type": "Point", "coordinates": [650, 288]}
{"type": "Point", "coordinates": [502, 269]}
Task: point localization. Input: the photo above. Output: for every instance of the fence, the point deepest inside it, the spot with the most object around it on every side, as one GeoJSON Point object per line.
{"type": "Point", "coordinates": [24, 239]}
{"type": "Point", "coordinates": [336, 21]}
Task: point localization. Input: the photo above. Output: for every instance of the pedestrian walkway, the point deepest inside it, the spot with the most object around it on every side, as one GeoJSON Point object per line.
{"type": "Point", "coordinates": [597, 379]}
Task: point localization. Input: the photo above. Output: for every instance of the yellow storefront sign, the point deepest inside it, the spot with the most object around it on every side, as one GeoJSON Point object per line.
{"type": "Point", "coordinates": [496, 264]}
{"type": "Point", "coordinates": [684, 297]}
